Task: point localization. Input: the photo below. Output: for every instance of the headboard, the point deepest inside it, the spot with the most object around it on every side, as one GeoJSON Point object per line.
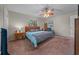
{"type": "Point", "coordinates": [28, 28]}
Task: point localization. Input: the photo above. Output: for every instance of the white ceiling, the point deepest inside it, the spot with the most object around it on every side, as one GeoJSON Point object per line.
{"type": "Point", "coordinates": [34, 9]}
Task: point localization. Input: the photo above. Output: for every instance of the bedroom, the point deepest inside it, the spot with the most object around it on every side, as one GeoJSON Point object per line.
{"type": "Point", "coordinates": [56, 31]}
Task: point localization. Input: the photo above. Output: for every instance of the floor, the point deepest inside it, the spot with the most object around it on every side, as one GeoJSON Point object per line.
{"type": "Point", "coordinates": [57, 45]}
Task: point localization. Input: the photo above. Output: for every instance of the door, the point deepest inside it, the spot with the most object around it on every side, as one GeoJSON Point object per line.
{"type": "Point", "coordinates": [77, 35]}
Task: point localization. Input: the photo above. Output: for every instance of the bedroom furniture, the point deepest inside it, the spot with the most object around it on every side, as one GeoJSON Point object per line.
{"type": "Point", "coordinates": [39, 36]}
{"type": "Point", "coordinates": [4, 42]}
{"type": "Point", "coordinates": [77, 35]}
{"type": "Point", "coordinates": [19, 35]}
{"type": "Point", "coordinates": [29, 28]}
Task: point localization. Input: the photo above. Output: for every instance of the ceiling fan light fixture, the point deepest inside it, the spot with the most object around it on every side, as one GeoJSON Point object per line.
{"type": "Point", "coordinates": [47, 12]}
{"type": "Point", "coordinates": [46, 15]}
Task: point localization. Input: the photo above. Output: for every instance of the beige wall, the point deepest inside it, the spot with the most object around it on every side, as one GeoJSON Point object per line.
{"type": "Point", "coordinates": [61, 24]}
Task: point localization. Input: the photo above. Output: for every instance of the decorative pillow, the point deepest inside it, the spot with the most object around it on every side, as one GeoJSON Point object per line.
{"type": "Point", "coordinates": [49, 29]}
{"type": "Point", "coordinates": [34, 30]}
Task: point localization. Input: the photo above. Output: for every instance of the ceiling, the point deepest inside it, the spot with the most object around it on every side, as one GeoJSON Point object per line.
{"type": "Point", "coordinates": [1, 7]}
{"type": "Point", "coordinates": [34, 9]}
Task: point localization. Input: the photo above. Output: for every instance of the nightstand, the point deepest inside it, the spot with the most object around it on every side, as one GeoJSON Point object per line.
{"type": "Point", "coordinates": [19, 35]}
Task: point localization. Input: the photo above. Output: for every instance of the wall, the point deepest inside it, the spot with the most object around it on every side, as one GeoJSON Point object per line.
{"type": "Point", "coordinates": [41, 21]}
{"type": "Point", "coordinates": [17, 20]}
{"type": "Point", "coordinates": [72, 25]}
{"type": "Point", "coordinates": [61, 24]}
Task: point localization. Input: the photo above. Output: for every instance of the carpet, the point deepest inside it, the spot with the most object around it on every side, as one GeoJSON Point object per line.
{"type": "Point", "coordinates": [57, 45]}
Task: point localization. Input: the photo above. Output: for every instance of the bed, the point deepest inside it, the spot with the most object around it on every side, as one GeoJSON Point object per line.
{"type": "Point", "coordinates": [38, 36]}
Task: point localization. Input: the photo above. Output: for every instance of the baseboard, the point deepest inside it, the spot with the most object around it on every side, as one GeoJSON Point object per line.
{"type": "Point", "coordinates": [68, 37]}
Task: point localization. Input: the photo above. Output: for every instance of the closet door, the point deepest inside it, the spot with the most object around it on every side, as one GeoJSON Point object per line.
{"type": "Point", "coordinates": [77, 35]}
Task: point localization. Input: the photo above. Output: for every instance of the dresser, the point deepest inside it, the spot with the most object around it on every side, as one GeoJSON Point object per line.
{"type": "Point", "coordinates": [19, 35]}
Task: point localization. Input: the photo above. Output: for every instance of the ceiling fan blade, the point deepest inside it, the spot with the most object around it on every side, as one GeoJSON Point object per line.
{"type": "Point", "coordinates": [58, 10]}
{"type": "Point", "coordinates": [52, 9]}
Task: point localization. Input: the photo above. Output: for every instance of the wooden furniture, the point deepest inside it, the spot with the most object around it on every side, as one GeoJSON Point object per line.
{"type": "Point", "coordinates": [28, 28]}
{"type": "Point", "coordinates": [19, 35]}
{"type": "Point", "coordinates": [77, 35]}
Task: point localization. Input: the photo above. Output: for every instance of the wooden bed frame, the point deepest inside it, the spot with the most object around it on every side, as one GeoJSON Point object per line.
{"type": "Point", "coordinates": [28, 28]}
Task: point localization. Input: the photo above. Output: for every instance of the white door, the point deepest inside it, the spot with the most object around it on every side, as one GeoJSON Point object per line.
{"type": "Point", "coordinates": [72, 25]}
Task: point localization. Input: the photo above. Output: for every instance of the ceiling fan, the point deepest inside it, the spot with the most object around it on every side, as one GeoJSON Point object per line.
{"type": "Point", "coordinates": [47, 11]}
